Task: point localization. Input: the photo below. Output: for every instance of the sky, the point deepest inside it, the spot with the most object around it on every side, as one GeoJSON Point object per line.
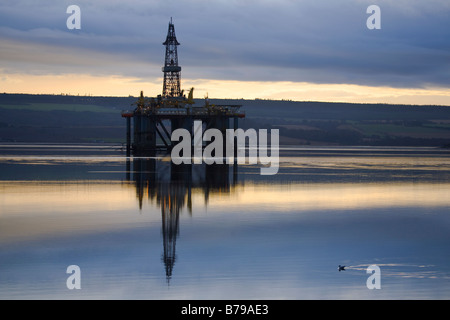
{"type": "Point", "coordinates": [312, 50]}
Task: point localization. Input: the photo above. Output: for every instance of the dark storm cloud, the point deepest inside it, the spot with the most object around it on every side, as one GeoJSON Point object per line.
{"type": "Point", "coordinates": [312, 41]}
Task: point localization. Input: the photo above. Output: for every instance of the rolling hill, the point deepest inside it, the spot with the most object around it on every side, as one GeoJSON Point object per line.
{"type": "Point", "coordinates": [84, 119]}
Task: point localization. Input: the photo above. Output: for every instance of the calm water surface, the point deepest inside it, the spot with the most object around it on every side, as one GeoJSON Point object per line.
{"type": "Point", "coordinates": [143, 228]}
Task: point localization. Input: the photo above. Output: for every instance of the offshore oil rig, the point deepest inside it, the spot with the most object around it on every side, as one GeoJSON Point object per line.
{"type": "Point", "coordinates": [160, 116]}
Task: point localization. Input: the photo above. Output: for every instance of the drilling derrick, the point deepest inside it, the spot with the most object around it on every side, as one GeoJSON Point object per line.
{"type": "Point", "coordinates": [155, 119]}
{"type": "Point", "coordinates": [171, 69]}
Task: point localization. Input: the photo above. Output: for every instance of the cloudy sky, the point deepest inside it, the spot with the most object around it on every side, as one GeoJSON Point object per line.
{"type": "Point", "coordinates": [283, 49]}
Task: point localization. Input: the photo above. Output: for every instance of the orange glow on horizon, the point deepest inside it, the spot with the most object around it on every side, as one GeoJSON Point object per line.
{"type": "Point", "coordinates": [85, 85]}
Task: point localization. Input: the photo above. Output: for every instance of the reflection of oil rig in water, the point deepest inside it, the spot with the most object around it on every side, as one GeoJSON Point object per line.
{"type": "Point", "coordinates": [171, 187]}
{"type": "Point", "coordinates": [172, 106]}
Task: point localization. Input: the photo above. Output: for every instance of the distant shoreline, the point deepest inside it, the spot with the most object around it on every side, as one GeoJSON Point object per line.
{"type": "Point", "coordinates": [64, 118]}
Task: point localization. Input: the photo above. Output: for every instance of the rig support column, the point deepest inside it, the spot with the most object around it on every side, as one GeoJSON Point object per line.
{"type": "Point", "coordinates": [144, 134]}
{"type": "Point", "coordinates": [181, 123]}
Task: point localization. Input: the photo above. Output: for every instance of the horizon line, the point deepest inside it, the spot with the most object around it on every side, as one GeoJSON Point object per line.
{"type": "Point", "coordinates": [245, 99]}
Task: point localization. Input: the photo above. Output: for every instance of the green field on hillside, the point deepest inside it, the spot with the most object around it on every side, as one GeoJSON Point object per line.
{"type": "Point", "coordinates": [402, 130]}
{"type": "Point", "coordinates": [59, 107]}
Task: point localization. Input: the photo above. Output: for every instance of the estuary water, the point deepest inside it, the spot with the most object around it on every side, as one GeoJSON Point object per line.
{"type": "Point", "coordinates": [143, 228]}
